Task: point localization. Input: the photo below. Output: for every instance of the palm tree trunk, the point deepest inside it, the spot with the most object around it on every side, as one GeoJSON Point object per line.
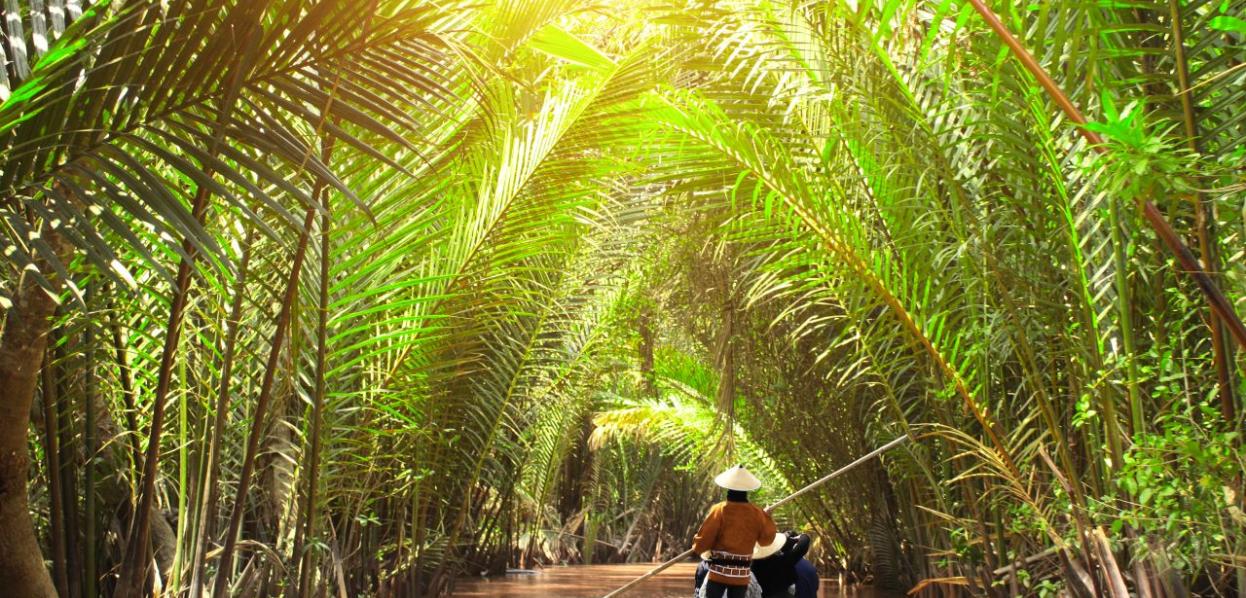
{"type": "Point", "coordinates": [22, 347]}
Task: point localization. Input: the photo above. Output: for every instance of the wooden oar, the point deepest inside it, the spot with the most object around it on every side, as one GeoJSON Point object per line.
{"type": "Point", "coordinates": [834, 474]}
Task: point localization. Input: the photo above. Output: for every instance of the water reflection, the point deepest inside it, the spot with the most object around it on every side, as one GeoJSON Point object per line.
{"type": "Point", "coordinates": [595, 580]}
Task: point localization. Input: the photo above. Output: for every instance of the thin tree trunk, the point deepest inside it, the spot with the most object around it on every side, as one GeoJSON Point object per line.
{"type": "Point", "coordinates": [89, 573]}
{"type": "Point", "coordinates": [52, 453]}
{"type": "Point", "coordinates": [261, 408]}
{"type": "Point", "coordinates": [134, 566]}
{"type": "Point", "coordinates": [1222, 350]}
{"type": "Point", "coordinates": [644, 327]}
{"type": "Point", "coordinates": [127, 389]}
{"type": "Point", "coordinates": [308, 531]}
{"type": "Point", "coordinates": [211, 494]}
{"type": "Point", "coordinates": [1124, 314]}
{"type": "Point", "coordinates": [64, 375]}
{"type": "Point", "coordinates": [22, 349]}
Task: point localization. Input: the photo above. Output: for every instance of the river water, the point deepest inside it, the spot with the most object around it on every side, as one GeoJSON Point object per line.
{"type": "Point", "coordinates": [592, 581]}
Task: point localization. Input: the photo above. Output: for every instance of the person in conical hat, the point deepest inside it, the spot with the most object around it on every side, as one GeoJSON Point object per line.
{"type": "Point", "coordinates": [732, 530]}
{"type": "Point", "coordinates": [780, 570]}
{"type": "Point", "coordinates": [781, 567]}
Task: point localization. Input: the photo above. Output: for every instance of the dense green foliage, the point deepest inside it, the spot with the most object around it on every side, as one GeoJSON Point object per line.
{"type": "Point", "coordinates": [364, 296]}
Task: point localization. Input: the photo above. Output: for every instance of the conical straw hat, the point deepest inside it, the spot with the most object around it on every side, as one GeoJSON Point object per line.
{"type": "Point", "coordinates": [761, 552]}
{"type": "Point", "coordinates": [738, 478]}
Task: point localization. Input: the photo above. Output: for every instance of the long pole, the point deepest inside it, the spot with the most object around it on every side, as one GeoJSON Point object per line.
{"type": "Point", "coordinates": [828, 477]}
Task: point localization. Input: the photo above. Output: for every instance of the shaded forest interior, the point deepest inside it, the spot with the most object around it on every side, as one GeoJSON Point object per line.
{"type": "Point", "coordinates": [360, 297]}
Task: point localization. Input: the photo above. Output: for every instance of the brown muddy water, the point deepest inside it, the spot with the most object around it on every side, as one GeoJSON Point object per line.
{"type": "Point", "coordinates": [592, 581]}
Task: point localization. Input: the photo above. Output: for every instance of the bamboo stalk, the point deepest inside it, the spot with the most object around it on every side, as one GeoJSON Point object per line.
{"type": "Point", "coordinates": [808, 488]}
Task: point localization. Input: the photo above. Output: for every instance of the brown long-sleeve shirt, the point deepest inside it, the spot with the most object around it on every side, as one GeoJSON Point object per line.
{"type": "Point", "coordinates": [731, 529]}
